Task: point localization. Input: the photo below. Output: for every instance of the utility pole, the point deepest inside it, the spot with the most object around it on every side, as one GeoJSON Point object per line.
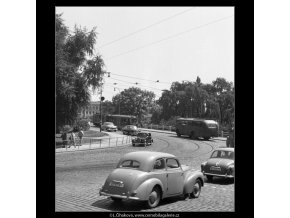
{"type": "Point", "coordinates": [101, 111]}
{"type": "Point", "coordinates": [101, 99]}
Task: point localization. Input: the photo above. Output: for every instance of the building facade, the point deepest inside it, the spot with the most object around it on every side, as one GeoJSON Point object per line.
{"type": "Point", "coordinates": [87, 112]}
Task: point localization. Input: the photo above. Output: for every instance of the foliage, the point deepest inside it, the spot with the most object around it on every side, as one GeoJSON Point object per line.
{"type": "Point", "coordinates": [134, 101]}
{"type": "Point", "coordinates": [77, 70]}
{"type": "Point", "coordinates": [195, 99]}
{"type": "Point", "coordinates": [82, 125]}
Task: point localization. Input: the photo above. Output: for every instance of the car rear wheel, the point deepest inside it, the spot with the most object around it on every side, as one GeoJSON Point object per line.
{"type": "Point", "coordinates": [178, 133]}
{"type": "Point", "coordinates": [209, 177]}
{"type": "Point", "coordinates": [116, 199]}
{"type": "Point", "coordinates": [154, 198]}
{"type": "Point", "coordinates": [196, 189]}
{"type": "Point", "coordinates": [133, 144]}
{"type": "Point", "coordinates": [192, 135]}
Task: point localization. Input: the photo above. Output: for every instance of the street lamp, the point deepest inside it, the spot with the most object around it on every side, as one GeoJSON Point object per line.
{"type": "Point", "coordinates": [119, 99]}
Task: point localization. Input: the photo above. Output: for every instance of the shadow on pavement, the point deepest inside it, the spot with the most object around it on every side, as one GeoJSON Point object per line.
{"type": "Point", "coordinates": [196, 139]}
{"type": "Point", "coordinates": [131, 205]}
{"type": "Point", "coordinates": [220, 181]}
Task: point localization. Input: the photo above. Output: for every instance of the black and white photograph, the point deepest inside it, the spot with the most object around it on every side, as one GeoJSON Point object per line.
{"type": "Point", "coordinates": [145, 109]}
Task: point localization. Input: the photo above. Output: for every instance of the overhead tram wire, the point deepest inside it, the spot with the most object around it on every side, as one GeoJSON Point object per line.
{"type": "Point", "coordinates": [123, 90]}
{"type": "Point", "coordinates": [157, 81]}
{"type": "Point", "coordinates": [169, 37]}
{"type": "Point", "coordinates": [144, 28]}
{"type": "Point", "coordinates": [136, 83]}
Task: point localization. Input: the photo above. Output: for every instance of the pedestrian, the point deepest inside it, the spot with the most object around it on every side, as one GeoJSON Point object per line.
{"type": "Point", "coordinates": [81, 134]}
{"type": "Point", "coordinates": [64, 138]}
{"type": "Point", "coordinates": [73, 139]}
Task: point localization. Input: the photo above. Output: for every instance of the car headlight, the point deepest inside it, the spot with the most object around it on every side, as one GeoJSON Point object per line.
{"type": "Point", "coordinates": [230, 170]}
{"type": "Point", "coordinates": [203, 165]}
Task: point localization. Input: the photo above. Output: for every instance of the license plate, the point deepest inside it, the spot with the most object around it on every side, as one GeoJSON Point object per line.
{"type": "Point", "coordinates": [215, 168]}
{"type": "Point", "coordinates": [117, 184]}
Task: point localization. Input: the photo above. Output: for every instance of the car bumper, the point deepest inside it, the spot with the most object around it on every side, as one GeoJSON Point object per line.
{"type": "Point", "coordinates": [111, 129]}
{"type": "Point", "coordinates": [118, 196]}
{"type": "Point", "coordinates": [218, 175]}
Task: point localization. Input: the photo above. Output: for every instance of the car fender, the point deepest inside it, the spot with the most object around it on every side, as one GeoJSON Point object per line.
{"type": "Point", "coordinates": [145, 188]}
{"type": "Point", "coordinates": [190, 179]}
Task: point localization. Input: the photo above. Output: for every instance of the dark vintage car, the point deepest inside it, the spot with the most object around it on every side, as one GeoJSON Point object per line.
{"type": "Point", "coordinates": [142, 138]}
{"type": "Point", "coordinates": [150, 177]}
{"type": "Point", "coordinates": [220, 164]}
{"type": "Point", "coordinates": [130, 130]}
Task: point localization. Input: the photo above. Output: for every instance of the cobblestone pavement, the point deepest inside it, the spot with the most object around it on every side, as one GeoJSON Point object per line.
{"type": "Point", "coordinates": [79, 175]}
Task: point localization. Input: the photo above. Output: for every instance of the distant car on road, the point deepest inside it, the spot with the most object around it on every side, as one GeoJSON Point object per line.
{"type": "Point", "coordinates": [109, 126]}
{"type": "Point", "coordinates": [142, 138]}
{"type": "Point", "coordinates": [220, 164]}
{"type": "Point", "coordinates": [130, 130]}
{"type": "Point", "coordinates": [150, 177]}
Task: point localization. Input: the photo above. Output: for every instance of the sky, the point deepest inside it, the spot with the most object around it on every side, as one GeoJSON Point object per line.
{"type": "Point", "coordinates": [145, 44]}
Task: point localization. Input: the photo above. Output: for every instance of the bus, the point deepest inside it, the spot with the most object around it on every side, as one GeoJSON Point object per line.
{"type": "Point", "coordinates": [195, 128]}
{"type": "Point", "coordinates": [119, 120]}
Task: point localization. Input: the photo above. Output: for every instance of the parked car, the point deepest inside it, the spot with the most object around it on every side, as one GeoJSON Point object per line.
{"type": "Point", "coordinates": [130, 130]}
{"type": "Point", "coordinates": [142, 138]}
{"type": "Point", "coordinates": [109, 126]}
{"type": "Point", "coordinates": [220, 164]}
{"type": "Point", "coordinates": [150, 177]}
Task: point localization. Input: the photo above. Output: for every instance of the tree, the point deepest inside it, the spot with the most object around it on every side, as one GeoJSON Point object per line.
{"type": "Point", "coordinates": [134, 101]}
{"type": "Point", "coordinates": [224, 96]}
{"type": "Point", "coordinates": [77, 69]}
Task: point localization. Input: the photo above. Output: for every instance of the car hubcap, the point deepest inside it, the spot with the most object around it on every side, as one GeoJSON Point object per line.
{"type": "Point", "coordinates": [196, 189]}
{"type": "Point", "coordinates": [153, 198]}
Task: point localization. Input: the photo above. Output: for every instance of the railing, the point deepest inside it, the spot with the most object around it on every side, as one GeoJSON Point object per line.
{"type": "Point", "coordinates": [89, 143]}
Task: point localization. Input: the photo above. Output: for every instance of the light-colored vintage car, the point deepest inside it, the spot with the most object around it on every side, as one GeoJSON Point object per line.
{"type": "Point", "coordinates": [109, 126]}
{"type": "Point", "coordinates": [150, 177]}
{"type": "Point", "coordinates": [221, 164]}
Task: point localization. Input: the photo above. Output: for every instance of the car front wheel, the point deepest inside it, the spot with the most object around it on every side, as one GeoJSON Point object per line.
{"type": "Point", "coordinates": [196, 189]}
{"type": "Point", "coordinates": [209, 178]}
{"type": "Point", "coordinates": [154, 198]}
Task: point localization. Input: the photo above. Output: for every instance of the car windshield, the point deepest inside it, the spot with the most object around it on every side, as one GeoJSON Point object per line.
{"type": "Point", "coordinates": [223, 154]}
{"type": "Point", "coordinates": [132, 127]}
{"type": "Point", "coordinates": [108, 123]}
{"type": "Point", "coordinates": [129, 164]}
{"type": "Point", "coordinates": [141, 134]}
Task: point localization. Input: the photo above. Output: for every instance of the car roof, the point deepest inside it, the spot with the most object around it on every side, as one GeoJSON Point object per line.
{"type": "Point", "coordinates": [225, 149]}
{"type": "Point", "coordinates": [196, 119]}
{"type": "Point", "coordinates": [146, 158]}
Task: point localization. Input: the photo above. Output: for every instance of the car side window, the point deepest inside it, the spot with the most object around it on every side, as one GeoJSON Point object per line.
{"type": "Point", "coordinates": [159, 164]}
{"type": "Point", "coordinates": [130, 164]}
{"type": "Point", "coordinates": [214, 154]}
{"type": "Point", "coordinates": [172, 163]}
{"type": "Point", "coordinates": [223, 154]}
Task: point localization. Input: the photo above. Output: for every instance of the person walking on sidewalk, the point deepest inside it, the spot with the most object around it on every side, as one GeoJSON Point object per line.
{"type": "Point", "coordinates": [81, 134]}
{"type": "Point", "coordinates": [64, 139]}
{"type": "Point", "coordinates": [73, 138]}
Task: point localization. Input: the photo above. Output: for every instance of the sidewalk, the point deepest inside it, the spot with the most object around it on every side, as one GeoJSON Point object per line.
{"type": "Point", "coordinates": [89, 143]}
{"type": "Point", "coordinates": [174, 133]}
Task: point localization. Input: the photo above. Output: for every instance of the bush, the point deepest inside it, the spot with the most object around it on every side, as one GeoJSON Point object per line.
{"type": "Point", "coordinates": [82, 124]}
{"type": "Point", "coordinates": [65, 128]}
